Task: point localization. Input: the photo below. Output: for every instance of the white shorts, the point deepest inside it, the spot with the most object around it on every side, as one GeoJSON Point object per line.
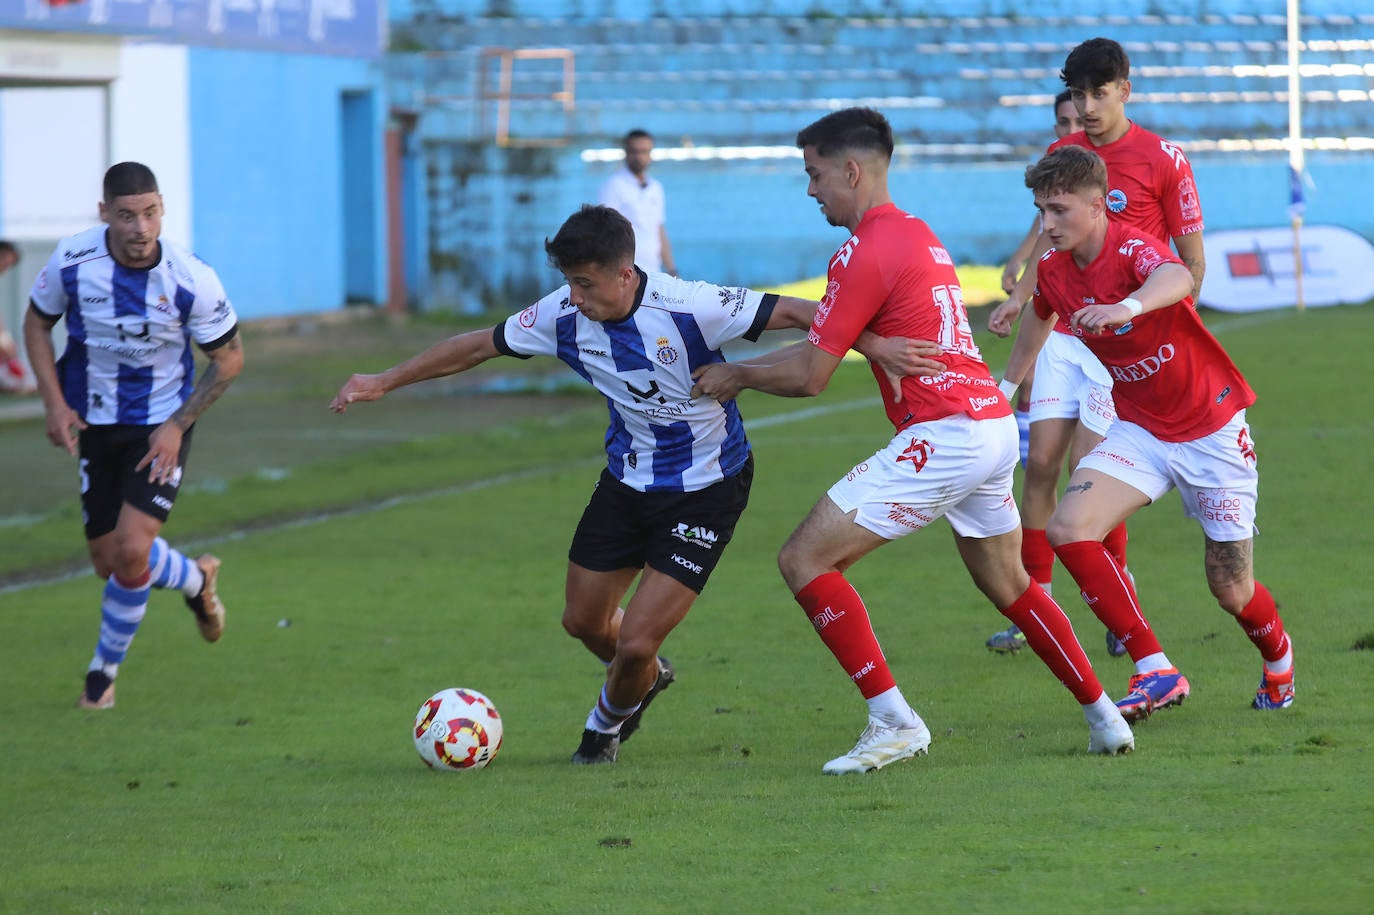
{"type": "Point", "coordinates": [958, 467]}
{"type": "Point", "coordinates": [1070, 383]}
{"type": "Point", "coordinates": [1216, 475]}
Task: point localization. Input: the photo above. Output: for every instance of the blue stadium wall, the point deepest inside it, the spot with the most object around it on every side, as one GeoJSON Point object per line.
{"type": "Point", "coordinates": [288, 178]}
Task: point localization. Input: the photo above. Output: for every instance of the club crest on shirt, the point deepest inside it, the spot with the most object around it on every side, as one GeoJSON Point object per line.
{"type": "Point", "coordinates": [1116, 200]}
{"type": "Point", "coordinates": [527, 316]}
{"type": "Point", "coordinates": [666, 355]}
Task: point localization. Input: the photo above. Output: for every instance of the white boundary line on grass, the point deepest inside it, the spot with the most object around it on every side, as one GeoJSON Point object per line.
{"type": "Point", "coordinates": [368, 508]}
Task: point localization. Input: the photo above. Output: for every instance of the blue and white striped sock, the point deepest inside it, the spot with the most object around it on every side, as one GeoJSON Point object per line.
{"type": "Point", "coordinates": [606, 718]}
{"type": "Point", "coordinates": [173, 570]}
{"type": "Point", "coordinates": [121, 610]}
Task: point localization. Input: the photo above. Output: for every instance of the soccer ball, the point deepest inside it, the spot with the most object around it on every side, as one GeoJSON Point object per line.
{"type": "Point", "coordinates": [457, 729]}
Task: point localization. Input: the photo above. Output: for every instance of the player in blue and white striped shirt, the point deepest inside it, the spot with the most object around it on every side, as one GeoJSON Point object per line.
{"type": "Point", "coordinates": [678, 468]}
{"type": "Point", "coordinates": [122, 400]}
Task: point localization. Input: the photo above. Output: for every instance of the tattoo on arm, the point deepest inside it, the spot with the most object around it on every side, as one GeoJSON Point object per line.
{"type": "Point", "coordinates": [1081, 487]}
{"type": "Point", "coordinates": [208, 389]}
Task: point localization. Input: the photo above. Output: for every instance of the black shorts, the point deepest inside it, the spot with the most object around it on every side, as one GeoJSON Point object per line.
{"type": "Point", "coordinates": [680, 534]}
{"type": "Point", "coordinates": [108, 479]}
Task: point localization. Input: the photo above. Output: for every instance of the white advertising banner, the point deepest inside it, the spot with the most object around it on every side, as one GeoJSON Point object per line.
{"type": "Point", "coordinates": [1254, 269]}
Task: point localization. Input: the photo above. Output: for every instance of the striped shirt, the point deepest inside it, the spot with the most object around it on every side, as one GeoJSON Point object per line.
{"type": "Point", "coordinates": [660, 439]}
{"type": "Point", "coordinates": [128, 359]}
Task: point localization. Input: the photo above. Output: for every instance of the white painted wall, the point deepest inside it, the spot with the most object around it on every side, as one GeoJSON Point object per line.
{"type": "Point", "coordinates": [52, 147]}
{"type": "Point", "coordinates": [150, 123]}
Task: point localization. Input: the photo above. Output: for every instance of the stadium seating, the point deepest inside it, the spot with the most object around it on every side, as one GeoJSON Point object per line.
{"type": "Point", "coordinates": [986, 80]}
{"type": "Point", "coordinates": [725, 84]}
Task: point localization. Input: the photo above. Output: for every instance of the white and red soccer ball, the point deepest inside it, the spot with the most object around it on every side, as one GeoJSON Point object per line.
{"type": "Point", "coordinates": [457, 729]}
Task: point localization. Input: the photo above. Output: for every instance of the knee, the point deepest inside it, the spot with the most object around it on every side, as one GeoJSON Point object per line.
{"type": "Point", "coordinates": [793, 565]}
{"type": "Point", "coordinates": [637, 651]}
{"type": "Point", "coordinates": [1059, 532]}
{"type": "Point", "coordinates": [1233, 596]}
{"type": "Point", "coordinates": [575, 624]}
{"type": "Point", "coordinates": [1042, 469]}
{"type": "Point", "coordinates": [130, 560]}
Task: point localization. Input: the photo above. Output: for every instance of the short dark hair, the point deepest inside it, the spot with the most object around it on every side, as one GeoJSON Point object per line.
{"type": "Point", "coordinates": [1061, 98]}
{"type": "Point", "coordinates": [593, 235]}
{"type": "Point", "coordinates": [639, 133]}
{"type": "Point", "coordinates": [1067, 170]}
{"type": "Point", "coordinates": [848, 128]}
{"type": "Point", "coordinates": [8, 247]}
{"type": "Point", "coordinates": [127, 179]}
{"type": "Point", "coordinates": [1095, 62]}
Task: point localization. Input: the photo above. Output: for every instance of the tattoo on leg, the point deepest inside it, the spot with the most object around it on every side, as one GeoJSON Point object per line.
{"type": "Point", "coordinates": [1229, 562]}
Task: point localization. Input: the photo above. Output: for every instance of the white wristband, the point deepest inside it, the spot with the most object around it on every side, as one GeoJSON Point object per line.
{"type": "Point", "coordinates": [1008, 389]}
{"type": "Point", "coordinates": [1134, 305]}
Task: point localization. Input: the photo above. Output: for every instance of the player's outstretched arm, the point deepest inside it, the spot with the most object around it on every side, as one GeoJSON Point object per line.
{"type": "Point", "coordinates": [899, 357]}
{"type": "Point", "coordinates": [800, 370]}
{"type": "Point", "coordinates": [999, 322]}
{"type": "Point", "coordinates": [791, 313]}
{"type": "Point", "coordinates": [454, 355]}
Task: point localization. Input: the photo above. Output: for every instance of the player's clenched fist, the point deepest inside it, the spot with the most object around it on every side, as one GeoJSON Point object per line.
{"type": "Point", "coordinates": [719, 381]}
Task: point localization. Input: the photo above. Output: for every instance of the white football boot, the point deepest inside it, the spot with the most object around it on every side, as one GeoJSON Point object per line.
{"type": "Point", "coordinates": [880, 745]}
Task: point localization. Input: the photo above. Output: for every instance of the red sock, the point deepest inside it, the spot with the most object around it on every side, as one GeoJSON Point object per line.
{"type": "Point", "coordinates": [841, 620]}
{"type": "Point", "coordinates": [1260, 620]}
{"type": "Point", "coordinates": [1108, 592]}
{"type": "Point", "coordinates": [1115, 542]}
{"type": "Point", "coordinates": [1037, 555]}
{"type": "Point", "coordinates": [1050, 636]}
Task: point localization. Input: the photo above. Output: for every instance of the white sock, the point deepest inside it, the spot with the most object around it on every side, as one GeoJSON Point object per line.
{"type": "Point", "coordinates": [891, 710]}
{"type": "Point", "coordinates": [1101, 711]}
{"type": "Point", "coordinates": [1157, 661]}
{"type": "Point", "coordinates": [1284, 664]}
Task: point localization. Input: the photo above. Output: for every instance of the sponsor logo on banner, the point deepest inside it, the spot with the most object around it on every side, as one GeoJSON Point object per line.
{"type": "Point", "coordinates": [1256, 269]}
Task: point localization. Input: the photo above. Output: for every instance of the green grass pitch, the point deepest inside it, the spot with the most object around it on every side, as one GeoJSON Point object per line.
{"type": "Point", "coordinates": [274, 771]}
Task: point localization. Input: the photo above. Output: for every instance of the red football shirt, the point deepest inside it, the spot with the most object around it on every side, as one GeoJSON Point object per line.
{"type": "Point", "coordinates": [1170, 375]}
{"type": "Point", "coordinates": [893, 277]}
{"type": "Point", "coordinates": [1150, 184]}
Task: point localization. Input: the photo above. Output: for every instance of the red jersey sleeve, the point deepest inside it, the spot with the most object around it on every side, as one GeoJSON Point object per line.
{"type": "Point", "coordinates": [854, 291]}
{"type": "Point", "coordinates": [1177, 190]}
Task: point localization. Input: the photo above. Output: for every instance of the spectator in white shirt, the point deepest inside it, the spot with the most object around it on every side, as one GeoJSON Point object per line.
{"type": "Point", "coordinates": [639, 199]}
